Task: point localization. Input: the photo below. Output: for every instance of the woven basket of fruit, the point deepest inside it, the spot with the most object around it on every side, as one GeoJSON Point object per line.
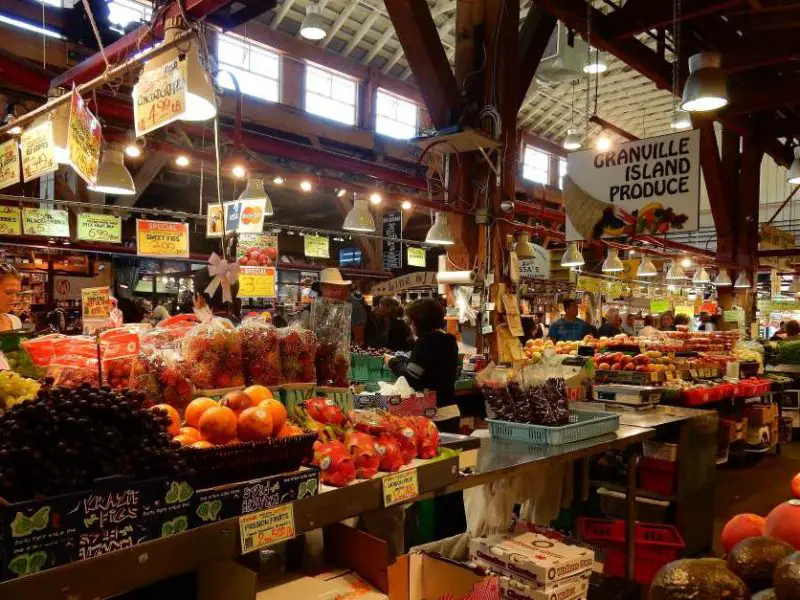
{"type": "Point", "coordinates": [248, 460]}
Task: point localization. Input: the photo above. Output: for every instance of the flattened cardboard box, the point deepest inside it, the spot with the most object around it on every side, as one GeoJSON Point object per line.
{"type": "Point", "coordinates": [573, 588]}
{"type": "Point", "coordinates": [533, 557]}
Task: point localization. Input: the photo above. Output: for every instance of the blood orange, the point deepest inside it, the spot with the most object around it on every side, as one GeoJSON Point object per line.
{"type": "Point", "coordinates": [218, 424]}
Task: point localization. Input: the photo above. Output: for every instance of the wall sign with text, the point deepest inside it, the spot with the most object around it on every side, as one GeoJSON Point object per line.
{"type": "Point", "coordinates": [99, 228]}
{"type": "Point", "coordinates": [45, 222]}
{"type": "Point", "coordinates": [162, 238]}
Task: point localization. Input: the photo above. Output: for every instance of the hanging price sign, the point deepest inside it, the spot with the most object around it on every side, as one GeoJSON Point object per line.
{"type": "Point", "coordinates": [317, 246]}
{"type": "Point", "coordinates": [257, 282]}
{"type": "Point", "coordinates": [9, 163]}
{"type": "Point", "coordinates": [416, 257]}
{"type": "Point", "coordinates": [159, 97]}
{"type": "Point", "coordinates": [589, 284]}
{"type": "Point", "coordinates": [10, 220]}
{"type": "Point", "coordinates": [95, 303]}
{"type": "Point", "coordinates": [83, 140]}
{"type": "Point", "coordinates": [162, 238]}
{"type": "Point", "coordinates": [45, 222]}
{"type": "Point", "coordinates": [38, 152]}
{"type": "Point", "coordinates": [99, 228]}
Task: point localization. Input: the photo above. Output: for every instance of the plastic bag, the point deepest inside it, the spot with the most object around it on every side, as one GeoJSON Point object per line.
{"type": "Point", "coordinates": [213, 353]}
{"type": "Point", "coordinates": [261, 352]}
{"type": "Point", "coordinates": [42, 349]}
{"type": "Point", "coordinates": [331, 320]}
{"type": "Point", "coordinates": [493, 382]}
{"type": "Point", "coordinates": [75, 362]}
{"type": "Point", "coordinates": [298, 352]}
{"type": "Point", "coordinates": [118, 350]}
{"type": "Point", "coordinates": [164, 377]}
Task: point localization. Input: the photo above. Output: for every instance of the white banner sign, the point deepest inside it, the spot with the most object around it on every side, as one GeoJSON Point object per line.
{"type": "Point", "coordinates": [651, 184]}
{"type": "Point", "coordinates": [537, 267]}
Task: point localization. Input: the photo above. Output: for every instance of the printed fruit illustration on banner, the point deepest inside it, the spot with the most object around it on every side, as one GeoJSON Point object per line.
{"type": "Point", "coordinates": [655, 218]}
{"type": "Point", "coordinates": [251, 215]}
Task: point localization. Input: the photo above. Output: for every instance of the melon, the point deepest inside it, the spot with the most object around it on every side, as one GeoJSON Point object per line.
{"type": "Point", "coordinates": [740, 528]}
{"type": "Point", "coordinates": [783, 523]}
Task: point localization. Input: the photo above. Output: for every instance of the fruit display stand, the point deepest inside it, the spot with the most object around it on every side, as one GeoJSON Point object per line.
{"type": "Point", "coordinates": [132, 568]}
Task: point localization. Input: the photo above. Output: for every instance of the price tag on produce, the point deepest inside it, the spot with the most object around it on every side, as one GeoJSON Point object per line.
{"type": "Point", "coordinates": [159, 97]}
{"type": "Point", "coordinates": [266, 527]}
{"type": "Point", "coordinates": [400, 487]}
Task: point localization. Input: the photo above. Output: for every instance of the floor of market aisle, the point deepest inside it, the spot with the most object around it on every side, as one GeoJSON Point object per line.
{"type": "Point", "coordinates": [755, 487]}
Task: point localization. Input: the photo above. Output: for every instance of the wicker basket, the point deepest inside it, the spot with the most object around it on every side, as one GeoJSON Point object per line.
{"type": "Point", "coordinates": [249, 460]}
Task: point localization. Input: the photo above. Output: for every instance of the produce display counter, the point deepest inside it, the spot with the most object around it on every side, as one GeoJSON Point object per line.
{"type": "Point", "coordinates": [131, 568]}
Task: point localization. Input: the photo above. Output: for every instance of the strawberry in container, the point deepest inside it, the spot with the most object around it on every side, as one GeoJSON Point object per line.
{"type": "Point", "coordinates": [362, 448]}
{"type": "Point", "coordinates": [389, 451]}
{"type": "Point", "coordinates": [261, 352]}
{"type": "Point", "coordinates": [337, 467]}
{"type": "Point", "coordinates": [404, 431]}
{"type": "Point", "coordinates": [427, 437]}
{"type": "Point", "coordinates": [213, 351]}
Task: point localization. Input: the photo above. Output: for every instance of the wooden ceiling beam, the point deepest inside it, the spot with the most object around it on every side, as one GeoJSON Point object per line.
{"type": "Point", "coordinates": [425, 54]}
{"type": "Point", "coordinates": [638, 16]}
{"type": "Point", "coordinates": [742, 57]}
{"type": "Point", "coordinates": [533, 37]}
{"type": "Point", "coordinates": [760, 98]}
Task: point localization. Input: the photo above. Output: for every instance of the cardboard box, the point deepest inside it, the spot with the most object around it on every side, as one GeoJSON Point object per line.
{"type": "Point", "coordinates": [761, 414]}
{"type": "Point", "coordinates": [533, 557]}
{"type": "Point", "coordinates": [421, 576]}
{"type": "Point", "coordinates": [733, 429]}
{"type": "Point", "coordinates": [572, 588]}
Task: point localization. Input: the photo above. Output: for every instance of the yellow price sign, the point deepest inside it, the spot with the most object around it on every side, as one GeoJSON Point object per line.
{"type": "Point", "coordinates": [10, 220]}
{"type": "Point", "coordinates": [96, 302]}
{"type": "Point", "coordinates": [9, 163]}
{"type": "Point", "coordinates": [416, 257]}
{"type": "Point", "coordinates": [38, 151]}
{"type": "Point", "coordinates": [266, 527]}
{"type": "Point", "coordinates": [402, 486]}
{"type": "Point", "coordinates": [159, 97]}
{"type": "Point", "coordinates": [162, 238]}
{"type": "Point", "coordinates": [317, 246]}
{"type": "Point", "coordinates": [257, 282]}
{"type": "Point", "coordinates": [45, 222]}
{"type": "Point", "coordinates": [83, 140]}
{"type": "Point", "coordinates": [589, 284]}
{"type": "Point", "coordinates": [99, 228]}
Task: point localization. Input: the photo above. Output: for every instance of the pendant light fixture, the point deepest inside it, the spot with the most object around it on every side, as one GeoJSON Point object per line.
{"type": "Point", "coordinates": [523, 248]}
{"type": "Point", "coordinates": [597, 62]}
{"type": "Point", "coordinates": [743, 281]}
{"type": "Point", "coordinates": [603, 142]}
{"type": "Point", "coordinates": [201, 103]}
{"type": "Point", "coordinates": [793, 175]}
{"type": "Point", "coordinates": [113, 176]}
{"type": "Point", "coordinates": [646, 268]}
{"type": "Point", "coordinates": [572, 256]}
{"type": "Point", "coordinates": [359, 218]}
{"type": "Point", "coordinates": [255, 191]}
{"type": "Point", "coordinates": [440, 233]}
{"type": "Point", "coordinates": [701, 276]}
{"type": "Point", "coordinates": [675, 272]}
{"type": "Point", "coordinates": [706, 88]}
{"type": "Point", "coordinates": [612, 263]}
{"type": "Point", "coordinates": [573, 139]}
{"type": "Point", "coordinates": [723, 279]}
{"type": "Point", "coordinates": [680, 119]}
{"type": "Point", "coordinates": [313, 26]}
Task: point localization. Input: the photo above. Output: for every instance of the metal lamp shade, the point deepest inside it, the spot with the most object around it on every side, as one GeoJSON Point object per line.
{"type": "Point", "coordinates": [743, 281]}
{"type": "Point", "coordinates": [113, 176]}
{"type": "Point", "coordinates": [793, 176]}
{"type": "Point", "coordinates": [706, 88]}
{"type": "Point", "coordinates": [646, 268]}
{"type": "Point", "coordinates": [572, 141]}
{"type": "Point", "coordinates": [701, 276]}
{"type": "Point", "coordinates": [572, 256]}
{"type": "Point", "coordinates": [612, 263]}
{"type": "Point", "coordinates": [675, 272]}
{"type": "Point", "coordinates": [440, 233]}
{"type": "Point", "coordinates": [680, 120]}
{"type": "Point", "coordinates": [255, 191]}
{"type": "Point", "coordinates": [313, 26]}
{"type": "Point", "coordinates": [523, 247]}
{"type": "Point", "coordinates": [359, 218]}
{"type": "Point", "coordinates": [723, 279]}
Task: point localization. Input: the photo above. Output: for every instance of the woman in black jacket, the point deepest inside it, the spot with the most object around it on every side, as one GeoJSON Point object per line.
{"type": "Point", "coordinates": [434, 361]}
{"type": "Point", "coordinates": [396, 336]}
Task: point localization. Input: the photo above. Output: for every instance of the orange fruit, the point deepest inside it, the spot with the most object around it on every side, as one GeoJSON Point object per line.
{"type": "Point", "coordinates": [237, 401]}
{"type": "Point", "coordinates": [218, 424]}
{"type": "Point", "coordinates": [255, 424]}
{"type": "Point", "coordinates": [202, 444]}
{"type": "Point", "coordinates": [233, 442]}
{"type": "Point", "coordinates": [195, 410]}
{"type": "Point", "coordinates": [258, 393]}
{"type": "Point", "coordinates": [174, 426]}
{"type": "Point", "coordinates": [191, 432]}
{"type": "Point", "coordinates": [185, 440]}
{"type": "Point", "coordinates": [288, 430]}
{"type": "Point", "coordinates": [276, 410]}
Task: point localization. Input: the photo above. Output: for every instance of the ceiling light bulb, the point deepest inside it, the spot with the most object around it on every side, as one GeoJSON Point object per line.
{"type": "Point", "coordinates": [573, 140]}
{"type": "Point", "coordinates": [597, 63]}
{"type": "Point", "coordinates": [278, 180]}
{"type": "Point", "coordinates": [603, 142]}
{"type": "Point", "coordinates": [15, 130]}
{"type": "Point", "coordinates": [305, 185]}
{"type": "Point", "coordinates": [255, 191]}
{"type": "Point", "coordinates": [572, 256]}
{"type": "Point", "coordinates": [440, 233]}
{"type": "Point", "coordinates": [375, 198]}
{"type": "Point", "coordinates": [359, 218]}
{"type": "Point", "coordinates": [646, 268]}
{"type": "Point", "coordinates": [680, 119]}
{"type": "Point", "coordinates": [133, 151]}
{"type": "Point", "coordinates": [612, 263]}
{"type": "Point", "coordinates": [238, 171]}
{"type": "Point", "coordinates": [113, 176]}
{"type": "Point", "coordinates": [631, 252]}
{"type": "Point", "coordinates": [341, 192]}
{"type": "Point", "coordinates": [182, 160]}
{"type": "Point", "coordinates": [706, 88]}
{"type": "Point", "coordinates": [406, 205]}
{"type": "Point", "coordinates": [793, 175]}
{"type": "Point", "coordinates": [313, 26]}
{"type": "Point", "coordinates": [686, 262]}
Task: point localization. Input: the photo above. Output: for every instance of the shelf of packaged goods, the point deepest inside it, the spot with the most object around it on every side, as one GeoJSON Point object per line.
{"type": "Point", "coordinates": [135, 567]}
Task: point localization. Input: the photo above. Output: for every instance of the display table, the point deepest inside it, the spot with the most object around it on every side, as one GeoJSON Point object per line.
{"type": "Point", "coordinates": [131, 568]}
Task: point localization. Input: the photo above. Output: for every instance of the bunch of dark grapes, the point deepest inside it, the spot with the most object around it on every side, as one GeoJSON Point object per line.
{"type": "Point", "coordinates": [64, 439]}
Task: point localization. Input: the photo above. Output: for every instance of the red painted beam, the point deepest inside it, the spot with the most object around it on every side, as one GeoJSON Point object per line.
{"type": "Point", "coordinates": [128, 44]}
{"type": "Point", "coordinates": [638, 16]}
{"type": "Point", "coordinates": [21, 74]}
{"type": "Point", "coordinates": [608, 126]}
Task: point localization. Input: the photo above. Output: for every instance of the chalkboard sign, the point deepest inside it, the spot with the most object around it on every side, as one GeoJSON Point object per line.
{"type": "Point", "coordinates": [392, 229]}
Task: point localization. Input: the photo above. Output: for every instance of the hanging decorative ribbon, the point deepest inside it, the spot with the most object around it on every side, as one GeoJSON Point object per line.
{"type": "Point", "coordinates": [224, 274]}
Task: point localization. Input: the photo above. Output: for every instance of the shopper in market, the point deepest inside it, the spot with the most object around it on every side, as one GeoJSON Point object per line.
{"type": "Point", "coordinates": [648, 330]}
{"type": "Point", "coordinates": [433, 362]}
{"type": "Point", "coordinates": [206, 306]}
{"type": "Point", "coordinates": [629, 326]}
{"type": "Point", "coordinates": [667, 322]}
{"type": "Point", "coordinates": [792, 331]}
{"type": "Point", "coordinates": [10, 288]}
{"type": "Point", "coordinates": [612, 326]}
{"type": "Point", "coordinates": [396, 333]}
{"type": "Point", "coordinates": [570, 327]}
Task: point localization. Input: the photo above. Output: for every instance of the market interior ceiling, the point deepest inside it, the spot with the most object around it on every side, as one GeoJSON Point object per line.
{"type": "Point", "coordinates": [756, 38]}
